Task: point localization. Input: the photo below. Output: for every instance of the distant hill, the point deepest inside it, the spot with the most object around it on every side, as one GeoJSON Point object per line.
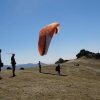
{"type": "Point", "coordinates": [28, 65]}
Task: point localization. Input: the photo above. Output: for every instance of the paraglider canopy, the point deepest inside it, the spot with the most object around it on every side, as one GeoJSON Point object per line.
{"type": "Point", "coordinates": [45, 36]}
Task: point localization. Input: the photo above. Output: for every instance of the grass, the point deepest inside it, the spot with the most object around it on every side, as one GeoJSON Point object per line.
{"type": "Point", "coordinates": [75, 82]}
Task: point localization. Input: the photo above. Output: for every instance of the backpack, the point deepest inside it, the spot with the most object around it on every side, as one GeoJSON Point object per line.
{"type": "Point", "coordinates": [56, 68]}
{"type": "Point", "coordinates": [1, 64]}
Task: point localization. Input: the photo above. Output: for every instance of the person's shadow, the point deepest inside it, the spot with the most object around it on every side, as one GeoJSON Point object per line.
{"type": "Point", "coordinates": [12, 76]}
{"type": "Point", "coordinates": [53, 74]}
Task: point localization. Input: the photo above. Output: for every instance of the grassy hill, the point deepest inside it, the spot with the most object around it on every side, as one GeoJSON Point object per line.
{"type": "Point", "coordinates": [75, 82]}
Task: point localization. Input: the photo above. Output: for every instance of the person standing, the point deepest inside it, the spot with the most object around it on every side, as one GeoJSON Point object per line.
{"type": "Point", "coordinates": [13, 63]}
{"type": "Point", "coordinates": [1, 64]}
{"type": "Point", "coordinates": [39, 67]}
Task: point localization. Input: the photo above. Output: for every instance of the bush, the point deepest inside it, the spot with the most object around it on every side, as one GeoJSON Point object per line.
{"type": "Point", "coordinates": [9, 68]}
{"type": "Point", "coordinates": [59, 61]}
{"type": "Point", "coordinates": [88, 54]}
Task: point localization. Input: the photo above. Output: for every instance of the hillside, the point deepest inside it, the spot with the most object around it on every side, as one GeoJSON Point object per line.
{"type": "Point", "coordinates": [28, 65]}
{"type": "Point", "coordinates": [75, 82]}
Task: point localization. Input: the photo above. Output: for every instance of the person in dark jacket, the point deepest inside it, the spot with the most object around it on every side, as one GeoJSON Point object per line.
{"type": "Point", "coordinates": [0, 63]}
{"type": "Point", "coordinates": [13, 63]}
{"type": "Point", "coordinates": [39, 67]}
{"type": "Point", "coordinates": [58, 68]}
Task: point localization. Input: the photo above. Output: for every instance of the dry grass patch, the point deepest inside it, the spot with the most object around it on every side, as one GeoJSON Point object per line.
{"type": "Point", "coordinates": [76, 82]}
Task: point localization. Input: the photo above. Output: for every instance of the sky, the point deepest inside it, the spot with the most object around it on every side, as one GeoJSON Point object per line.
{"type": "Point", "coordinates": [21, 21]}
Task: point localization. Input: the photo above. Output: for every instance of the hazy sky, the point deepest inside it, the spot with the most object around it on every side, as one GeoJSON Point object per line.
{"type": "Point", "coordinates": [21, 21]}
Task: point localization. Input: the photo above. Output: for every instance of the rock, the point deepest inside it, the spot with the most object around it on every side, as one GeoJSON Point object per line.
{"type": "Point", "coordinates": [76, 64]}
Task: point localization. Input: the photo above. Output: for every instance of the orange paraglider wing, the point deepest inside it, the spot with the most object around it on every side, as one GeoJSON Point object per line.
{"type": "Point", "coordinates": [45, 37]}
